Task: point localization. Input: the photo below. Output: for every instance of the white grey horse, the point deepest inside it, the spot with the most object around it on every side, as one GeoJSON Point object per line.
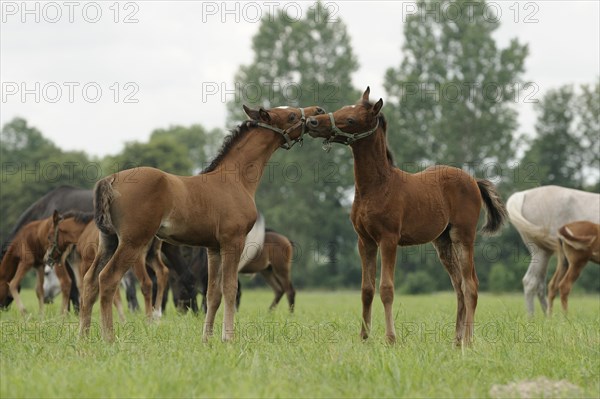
{"type": "Point", "coordinates": [537, 214]}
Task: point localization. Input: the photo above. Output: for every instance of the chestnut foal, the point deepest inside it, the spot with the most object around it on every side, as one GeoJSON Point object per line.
{"type": "Point", "coordinates": [578, 243]}
{"type": "Point", "coordinates": [394, 208]}
{"type": "Point", "coordinates": [215, 209]}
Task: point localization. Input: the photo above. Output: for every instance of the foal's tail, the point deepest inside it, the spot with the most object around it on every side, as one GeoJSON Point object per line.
{"type": "Point", "coordinates": [103, 196]}
{"type": "Point", "coordinates": [562, 261]}
{"type": "Point", "coordinates": [495, 210]}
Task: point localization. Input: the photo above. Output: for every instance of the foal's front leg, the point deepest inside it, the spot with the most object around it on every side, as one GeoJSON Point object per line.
{"type": "Point", "coordinates": [39, 287]}
{"type": "Point", "coordinates": [368, 255]}
{"type": "Point", "coordinates": [213, 292]}
{"type": "Point", "coordinates": [230, 256]}
{"type": "Point", "coordinates": [13, 286]}
{"type": "Point", "coordinates": [386, 286]}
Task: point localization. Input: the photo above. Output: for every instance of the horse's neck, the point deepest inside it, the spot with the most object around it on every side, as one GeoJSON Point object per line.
{"type": "Point", "coordinates": [72, 235]}
{"type": "Point", "coordinates": [246, 161]}
{"type": "Point", "coordinates": [372, 169]}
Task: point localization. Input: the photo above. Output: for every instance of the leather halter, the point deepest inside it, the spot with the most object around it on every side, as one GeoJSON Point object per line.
{"type": "Point", "coordinates": [349, 138]}
{"type": "Point", "coordinates": [289, 143]}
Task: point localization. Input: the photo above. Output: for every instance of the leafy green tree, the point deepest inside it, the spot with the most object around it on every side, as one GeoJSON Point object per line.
{"type": "Point", "coordinates": [565, 149]}
{"type": "Point", "coordinates": [32, 165]}
{"type": "Point", "coordinates": [164, 153]}
{"type": "Point", "coordinates": [451, 99]}
{"type": "Point", "coordinates": [305, 192]}
{"type": "Point", "coordinates": [200, 143]}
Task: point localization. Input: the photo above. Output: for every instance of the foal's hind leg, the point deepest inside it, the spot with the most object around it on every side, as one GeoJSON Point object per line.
{"type": "Point", "coordinates": [126, 256]}
{"type": "Point", "coordinates": [270, 278]}
{"type": "Point", "coordinates": [139, 270]}
{"type": "Point", "coordinates": [470, 286]}
{"type": "Point", "coordinates": [213, 292]}
{"type": "Point", "coordinates": [368, 256]}
{"type": "Point", "coordinates": [561, 269]}
{"type": "Point", "coordinates": [576, 265]}
{"type": "Point", "coordinates": [443, 246]}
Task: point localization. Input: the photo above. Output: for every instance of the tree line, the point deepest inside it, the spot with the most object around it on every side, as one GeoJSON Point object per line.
{"type": "Point", "coordinates": [453, 100]}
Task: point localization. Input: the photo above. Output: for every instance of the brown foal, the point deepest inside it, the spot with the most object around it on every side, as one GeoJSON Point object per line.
{"type": "Point", "coordinates": [578, 243]}
{"type": "Point", "coordinates": [394, 208]}
{"type": "Point", "coordinates": [78, 228]}
{"type": "Point", "coordinates": [215, 209]}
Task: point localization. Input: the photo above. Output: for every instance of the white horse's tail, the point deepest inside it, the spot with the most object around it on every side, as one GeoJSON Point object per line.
{"type": "Point", "coordinates": [541, 235]}
{"type": "Point", "coordinates": [255, 241]}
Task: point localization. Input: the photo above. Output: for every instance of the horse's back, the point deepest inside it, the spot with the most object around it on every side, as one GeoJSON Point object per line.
{"type": "Point", "coordinates": [63, 198]}
{"type": "Point", "coordinates": [553, 206]}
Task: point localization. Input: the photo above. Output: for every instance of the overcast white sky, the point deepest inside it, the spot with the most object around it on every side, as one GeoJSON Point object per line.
{"type": "Point", "coordinates": [166, 58]}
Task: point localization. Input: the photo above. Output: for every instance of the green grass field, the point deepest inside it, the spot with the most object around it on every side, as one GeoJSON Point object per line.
{"type": "Point", "coordinates": [315, 352]}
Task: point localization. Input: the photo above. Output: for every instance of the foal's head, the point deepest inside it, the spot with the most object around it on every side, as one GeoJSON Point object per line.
{"type": "Point", "coordinates": [288, 121]}
{"type": "Point", "coordinates": [63, 228]}
{"type": "Point", "coordinates": [349, 123]}
{"type": "Point", "coordinates": [53, 252]}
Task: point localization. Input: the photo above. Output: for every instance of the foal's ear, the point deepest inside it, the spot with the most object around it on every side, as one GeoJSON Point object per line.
{"type": "Point", "coordinates": [264, 115]}
{"type": "Point", "coordinates": [377, 107]}
{"type": "Point", "coordinates": [252, 113]}
{"type": "Point", "coordinates": [365, 96]}
{"type": "Point", "coordinates": [55, 217]}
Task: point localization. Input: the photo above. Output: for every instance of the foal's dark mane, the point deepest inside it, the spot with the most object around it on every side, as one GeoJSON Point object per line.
{"type": "Point", "coordinates": [80, 217]}
{"type": "Point", "coordinates": [229, 141]}
{"type": "Point", "coordinates": [383, 124]}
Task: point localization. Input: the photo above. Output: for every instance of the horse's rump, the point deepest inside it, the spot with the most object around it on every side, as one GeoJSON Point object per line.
{"type": "Point", "coordinates": [528, 230]}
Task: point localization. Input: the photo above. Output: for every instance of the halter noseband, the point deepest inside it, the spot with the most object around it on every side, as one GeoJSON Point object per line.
{"type": "Point", "coordinates": [289, 143]}
{"type": "Point", "coordinates": [348, 137]}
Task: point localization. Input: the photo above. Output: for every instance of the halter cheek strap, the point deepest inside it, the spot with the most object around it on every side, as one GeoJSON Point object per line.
{"type": "Point", "coordinates": [289, 143]}
{"type": "Point", "coordinates": [55, 248]}
{"type": "Point", "coordinates": [348, 137]}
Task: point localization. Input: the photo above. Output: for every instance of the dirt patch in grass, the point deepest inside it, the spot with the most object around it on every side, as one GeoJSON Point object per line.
{"type": "Point", "coordinates": [540, 387]}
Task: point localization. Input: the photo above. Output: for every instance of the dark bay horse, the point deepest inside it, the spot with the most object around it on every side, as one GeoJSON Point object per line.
{"type": "Point", "coordinates": [215, 209]}
{"type": "Point", "coordinates": [393, 208]}
{"type": "Point", "coordinates": [578, 243]}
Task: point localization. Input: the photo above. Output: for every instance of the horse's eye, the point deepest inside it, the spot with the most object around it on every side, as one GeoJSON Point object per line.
{"type": "Point", "coordinates": [320, 111]}
{"type": "Point", "coordinates": [350, 121]}
{"type": "Point", "coordinates": [292, 117]}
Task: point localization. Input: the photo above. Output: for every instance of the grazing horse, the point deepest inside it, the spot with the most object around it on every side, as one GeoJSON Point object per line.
{"type": "Point", "coordinates": [26, 251]}
{"type": "Point", "coordinates": [274, 263]}
{"type": "Point", "coordinates": [394, 208]}
{"type": "Point", "coordinates": [215, 209]}
{"type": "Point", "coordinates": [78, 228]}
{"type": "Point", "coordinates": [537, 214]}
{"type": "Point", "coordinates": [63, 198]}
{"type": "Point", "coordinates": [578, 243]}
{"type": "Point", "coordinates": [196, 259]}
